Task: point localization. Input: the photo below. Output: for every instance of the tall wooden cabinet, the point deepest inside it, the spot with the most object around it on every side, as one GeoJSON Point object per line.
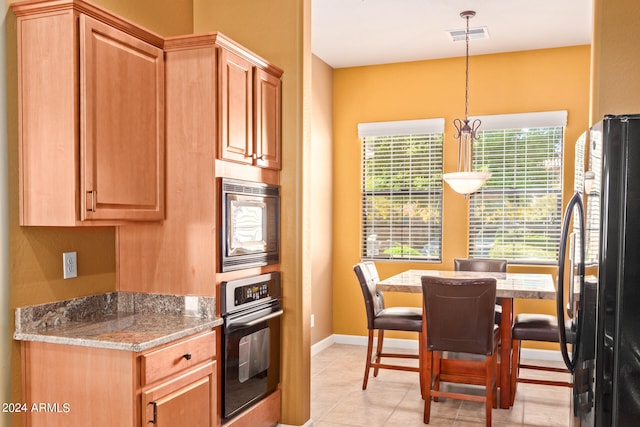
{"type": "Point", "coordinates": [91, 116]}
{"type": "Point", "coordinates": [180, 253]}
{"type": "Point", "coordinates": [215, 91]}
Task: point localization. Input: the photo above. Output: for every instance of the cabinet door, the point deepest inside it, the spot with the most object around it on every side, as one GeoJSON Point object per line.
{"type": "Point", "coordinates": [188, 400]}
{"type": "Point", "coordinates": [268, 121]}
{"type": "Point", "coordinates": [236, 108]}
{"type": "Point", "coordinates": [121, 125]}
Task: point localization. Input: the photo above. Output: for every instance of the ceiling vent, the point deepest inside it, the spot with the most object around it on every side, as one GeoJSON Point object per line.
{"type": "Point", "coordinates": [477, 33]}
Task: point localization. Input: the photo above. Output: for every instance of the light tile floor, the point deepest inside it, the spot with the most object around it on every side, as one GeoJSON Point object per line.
{"type": "Point", "coordinates": [393, 398]}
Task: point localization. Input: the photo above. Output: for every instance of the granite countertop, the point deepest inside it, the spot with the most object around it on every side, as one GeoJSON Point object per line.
{"type": "Point", "coordinates": [117, 320]}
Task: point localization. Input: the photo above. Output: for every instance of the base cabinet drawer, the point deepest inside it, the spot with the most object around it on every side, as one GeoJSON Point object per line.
{"type": "Point", "coordinates": [182, 355]}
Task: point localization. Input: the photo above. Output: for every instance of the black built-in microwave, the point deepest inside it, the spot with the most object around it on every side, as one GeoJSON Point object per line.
{"type": "Point", "coordinates": [250, 224]}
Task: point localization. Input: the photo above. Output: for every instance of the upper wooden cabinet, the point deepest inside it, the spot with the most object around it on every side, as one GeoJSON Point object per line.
{"type": "Point", "coordinates": [250, 108]}
{"type": "Point", "coordinates": [91, 116]}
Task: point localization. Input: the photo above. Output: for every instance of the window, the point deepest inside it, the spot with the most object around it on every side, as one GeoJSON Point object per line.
{"type": "Point", "coordinates": [402, 189]}
{"type": "Point", "coordinates": [517, 214]}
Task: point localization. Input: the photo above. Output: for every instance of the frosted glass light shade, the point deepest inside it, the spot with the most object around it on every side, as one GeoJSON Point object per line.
{"type": "Point", "coordinates": [466, 182]}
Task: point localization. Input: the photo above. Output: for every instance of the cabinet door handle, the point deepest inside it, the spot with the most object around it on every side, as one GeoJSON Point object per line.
{"type": "Point", "coordinates": [187, 356]}
{"type": "Point", "coordinates": [91, 207]}
{"type": "Point", "coordinates": [155, 413]}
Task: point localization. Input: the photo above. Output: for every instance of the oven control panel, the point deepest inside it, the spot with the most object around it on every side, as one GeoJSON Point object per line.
{"type": "Point", "coordinates": [249, 293]}
{"type": "Point", "coordinates": [246, 292]}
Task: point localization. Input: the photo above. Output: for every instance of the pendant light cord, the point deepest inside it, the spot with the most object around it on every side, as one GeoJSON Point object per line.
{"type": "Point", "coordinates": [466, 92]}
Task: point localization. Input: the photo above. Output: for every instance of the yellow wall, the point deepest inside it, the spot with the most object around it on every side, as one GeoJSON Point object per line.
{"type": "Point", "coordinates": [529, 81]}
{"type": "Point", "coordinates": [321, 200]}
{"type": "Point", "coordinates": [36, 252]}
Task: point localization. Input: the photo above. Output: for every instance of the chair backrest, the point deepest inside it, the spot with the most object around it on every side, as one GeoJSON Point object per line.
{"type": "Point", "coordinates": [367, 275]}
{"type": "Point", "coordinates": [460, 313]}
{"type": "Point", "coordinates": [480, 264]}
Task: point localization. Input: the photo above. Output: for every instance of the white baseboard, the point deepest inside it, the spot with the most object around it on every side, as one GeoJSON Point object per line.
{"type": "Point", "coordinates": [527, 353]}
{"type": "Point", "coordinates": [537, 354]}
{"type": "Point", "coordinates": [388, 342]}
{"type": "Point", "coordinates": [321, 345]}
{"type": "Point", "coordinates": [309, 423]}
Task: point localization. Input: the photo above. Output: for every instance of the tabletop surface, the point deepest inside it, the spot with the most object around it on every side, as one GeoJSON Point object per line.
{"type": "Point", "coordinates": [509, 285]}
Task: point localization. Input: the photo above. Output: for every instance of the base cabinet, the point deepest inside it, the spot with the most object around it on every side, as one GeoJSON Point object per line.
{"type": "Point", "coordinates": [173, 385]}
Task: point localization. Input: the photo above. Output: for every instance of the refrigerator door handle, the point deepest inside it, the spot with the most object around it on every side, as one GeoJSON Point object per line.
{"type": "Point", "coordinates": [572, 269]}
{"type": "Point", "coordinates": [570, 361]}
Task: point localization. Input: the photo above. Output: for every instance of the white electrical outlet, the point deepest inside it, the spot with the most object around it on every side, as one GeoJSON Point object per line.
{"type": "Point", "coordinates": [70, 265]}
{"type": "Point", "coordinates": [191, 304]}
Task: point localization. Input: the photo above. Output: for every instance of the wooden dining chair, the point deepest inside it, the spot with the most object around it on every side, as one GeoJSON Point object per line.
{"type": "Point", "coordinates": [460, 319]}
{"type": "Point", "coordinates": [533, 327]}
{"type": "Point", "coordinates": [381, 318]}
{"type": "Point", "coordinates": [483, 265]}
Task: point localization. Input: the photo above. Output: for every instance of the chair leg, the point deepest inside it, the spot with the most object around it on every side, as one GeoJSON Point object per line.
{"type": "Point", "coordinates": [515, 368]}
{"type": "Point", "coordinates": [378, 350]}
{"type": "Point", "coordinates": [368, 364]}
{"type": "Point", "coordinates": [489, 390]}
{"type": "Point", "coordinates": [422, 372]}
{"type": "Point", "coordinates": [427, 387]}
{"type": "Point", "coordinates": [436, 364]}
{"type": "Point", "coordinates": [496, 376]}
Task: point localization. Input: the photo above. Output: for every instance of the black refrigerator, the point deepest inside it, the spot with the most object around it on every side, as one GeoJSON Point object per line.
{"type": "Point", "coordinates": [603, 326]}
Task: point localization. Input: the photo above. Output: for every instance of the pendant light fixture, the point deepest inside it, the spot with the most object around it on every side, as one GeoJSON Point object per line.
{"type": "Point", "coordinates": [465, 181]}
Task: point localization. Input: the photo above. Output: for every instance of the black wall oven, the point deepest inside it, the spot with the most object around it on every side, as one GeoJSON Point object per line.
{"type": "Point", "coordinates": [251, 308]}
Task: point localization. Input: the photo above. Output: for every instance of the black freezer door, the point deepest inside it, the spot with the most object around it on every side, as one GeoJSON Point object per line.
{"type": "Point", "coordinates": [617, 397]}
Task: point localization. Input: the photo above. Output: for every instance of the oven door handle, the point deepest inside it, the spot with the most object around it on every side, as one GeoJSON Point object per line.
{"type": "Point", "coordinates": [235, 326]}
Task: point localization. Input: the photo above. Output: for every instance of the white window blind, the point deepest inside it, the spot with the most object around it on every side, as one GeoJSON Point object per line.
{"type": "Point", "coordinates": [592, 227]}
{"type": "Point", "coordinates": [578, 167]}
{"type": "Point", "coordinates": [578, 187]}
{"type": "Point", "coordinates": [517, 214]}
{"type": "Point", "coordinates": [402, 189]}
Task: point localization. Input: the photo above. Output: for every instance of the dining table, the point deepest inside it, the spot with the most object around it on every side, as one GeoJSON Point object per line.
{"type": "Point", "coordinates": [508, 287]}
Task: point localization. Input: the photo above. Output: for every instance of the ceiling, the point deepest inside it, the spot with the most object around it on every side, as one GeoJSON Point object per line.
{"type": "Point", "coordinates": [348, 33]}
